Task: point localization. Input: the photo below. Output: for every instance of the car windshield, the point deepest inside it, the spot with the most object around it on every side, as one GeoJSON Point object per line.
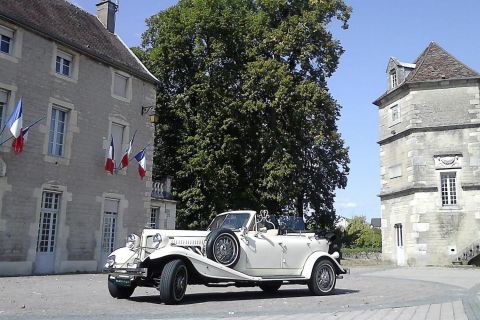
{"type": "Point", "coordinates": [230, 221]}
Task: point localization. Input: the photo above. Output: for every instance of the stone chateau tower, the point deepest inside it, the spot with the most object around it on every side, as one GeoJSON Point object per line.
{"type": "Point", "coordinates": [430, 160]}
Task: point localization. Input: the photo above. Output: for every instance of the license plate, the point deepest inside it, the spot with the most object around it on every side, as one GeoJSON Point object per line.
{"type": "Point", "coordinates": [123, 282]}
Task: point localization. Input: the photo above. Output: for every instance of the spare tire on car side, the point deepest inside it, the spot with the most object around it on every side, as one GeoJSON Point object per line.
{"type": "Point", "coordinates": [223, 247]}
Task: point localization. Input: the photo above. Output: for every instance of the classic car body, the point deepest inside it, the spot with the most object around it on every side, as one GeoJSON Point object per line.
{"type": "Point", "coordinates": [240, 248]}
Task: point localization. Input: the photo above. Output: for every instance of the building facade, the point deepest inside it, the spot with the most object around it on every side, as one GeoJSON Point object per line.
{"type": "Point", "coordinates": [59, 210]}
{"type": "Point", "coordinates": [430, 160]}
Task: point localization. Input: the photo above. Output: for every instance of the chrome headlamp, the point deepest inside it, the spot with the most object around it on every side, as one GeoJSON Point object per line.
{"type": "Point", "coordinates": [133, 241]}
{"type": "Point", "coordinates": [157, 239]}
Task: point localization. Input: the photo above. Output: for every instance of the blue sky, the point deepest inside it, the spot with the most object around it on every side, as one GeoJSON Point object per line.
{"type": "Point", "coordinates": [378, 30]}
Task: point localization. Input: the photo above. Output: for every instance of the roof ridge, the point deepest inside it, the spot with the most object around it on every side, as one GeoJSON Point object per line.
{"type": "Point", "coordinates": [436, 63]}
{"type": "Point", "coordinates": [458, 60]}
{"type": "Point", "coordinates": [418, 64]}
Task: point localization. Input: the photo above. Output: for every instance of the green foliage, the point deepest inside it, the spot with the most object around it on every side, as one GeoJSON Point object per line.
{"type": "Point", "coordinates": [246, 117]}
{"type": "Point", "coordinates": [359, 234]}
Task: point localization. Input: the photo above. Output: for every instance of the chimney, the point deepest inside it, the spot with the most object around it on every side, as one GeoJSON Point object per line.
{"type": "Point", "coordinates": [106, 11]}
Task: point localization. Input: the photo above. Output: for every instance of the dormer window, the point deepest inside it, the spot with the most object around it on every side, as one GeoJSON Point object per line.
{"type": "Point", "coordinates": [393, 78]}
{"type": "Point", "coordinates": [6, 40]}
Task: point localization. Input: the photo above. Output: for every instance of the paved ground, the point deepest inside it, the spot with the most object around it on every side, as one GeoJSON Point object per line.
{"type": "Point", "coordinates": [367, 293]}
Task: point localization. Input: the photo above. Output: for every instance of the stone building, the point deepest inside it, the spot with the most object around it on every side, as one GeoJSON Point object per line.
{"type": "Point", "coordinates": [59, 210]}
{"type": "Point", "coordinates": [430, 160]}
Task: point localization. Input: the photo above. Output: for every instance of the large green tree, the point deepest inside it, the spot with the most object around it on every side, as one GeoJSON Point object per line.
{"type": "Point", "coordinates": [247, 120]}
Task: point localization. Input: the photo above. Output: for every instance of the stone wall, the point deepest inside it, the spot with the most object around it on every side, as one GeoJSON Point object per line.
{"type": "Point", "coordinates": [438, 132]}
{"type": "Point", "coordinates": [79, 176]}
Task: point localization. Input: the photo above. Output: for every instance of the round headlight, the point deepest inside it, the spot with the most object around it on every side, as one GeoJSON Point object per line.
{"type": "Point", "coordinates": [132, 241]}
{"type": "Point", "coordinates": [157, 239]}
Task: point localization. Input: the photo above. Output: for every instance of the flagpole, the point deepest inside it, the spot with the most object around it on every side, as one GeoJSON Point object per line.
{"type": "Point", "coordinates": [26, 128]}
{"type": "Point", "coordinates": [130, 159]}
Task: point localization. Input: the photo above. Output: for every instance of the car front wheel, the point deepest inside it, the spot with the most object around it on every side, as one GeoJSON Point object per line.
{"type": "Point", "coordinates": [323, 278]}
{"type": "Point", "coordinates": [173, 282]}
{"type": "Point", "coordinates": [119, 292]}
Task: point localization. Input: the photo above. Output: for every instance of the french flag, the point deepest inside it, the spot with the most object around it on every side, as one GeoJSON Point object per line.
{"type": "Point", "coordinates": [142, 167]}
{"type": "Point", "coordinates": [18, 143]}
{"type": "Point", "coordinates": [127, 152]}
{"type": "Point", "coordinates": [110, 163]}
{"type": "Point", "coordinates": [15, 124]}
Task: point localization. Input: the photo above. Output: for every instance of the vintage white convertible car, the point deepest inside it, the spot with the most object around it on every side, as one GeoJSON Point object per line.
{"type": "Point", "coordinates": [239, 248]}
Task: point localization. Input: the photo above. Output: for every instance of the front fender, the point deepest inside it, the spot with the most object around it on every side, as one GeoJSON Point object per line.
{"type": "Point", "coordinates": [122, 255]}
{"type": "Point", "coordinates": [308, 266]}
{"type": "Point", "coordinates": [204, 266]}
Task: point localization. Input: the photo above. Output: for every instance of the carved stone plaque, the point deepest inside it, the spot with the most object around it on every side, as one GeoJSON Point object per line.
{"type": "Point", "coordinates": [448, 161]}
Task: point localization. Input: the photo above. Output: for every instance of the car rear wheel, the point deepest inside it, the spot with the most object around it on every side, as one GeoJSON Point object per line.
{"type": "Point", "coordinates": [223, 247]}
{"type": "Point", "coordinates": [271, 287]}
{"type": "Point", "coordinates": [173, 282]}
{"type": "Point", "coordinates": [119, 292]}
{"type": "Point", "coordinates": [323, 278]}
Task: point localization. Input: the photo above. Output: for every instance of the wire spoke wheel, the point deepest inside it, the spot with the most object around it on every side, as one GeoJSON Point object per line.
{"type": "Point", "coordinates": [323, 278]}
{"type": "Point", "coordinates": [225, 249]}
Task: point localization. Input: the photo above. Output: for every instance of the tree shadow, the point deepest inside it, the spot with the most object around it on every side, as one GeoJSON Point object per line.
{"type": "Point", "coordinates": [194, 298]}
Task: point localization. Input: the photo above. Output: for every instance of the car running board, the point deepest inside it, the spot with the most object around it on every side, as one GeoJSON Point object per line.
{"type": "Point", "coordinates": [283, 278]}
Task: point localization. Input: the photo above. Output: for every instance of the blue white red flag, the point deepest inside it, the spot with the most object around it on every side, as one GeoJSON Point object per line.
{"type": "Point", "coordinates": [142, 166]}
{"type": "Point", "coordinates": [126, 155]}
{"type": "Point", "coordinates": [15, 121]}
{"type": "Point", "coordinates": [18, 142]}
{"type": "Point", "coordinates": [110, 163]}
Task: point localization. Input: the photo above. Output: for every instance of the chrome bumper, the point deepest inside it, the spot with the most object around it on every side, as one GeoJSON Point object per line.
{"type": "Point", "coordinates": [136, 272]}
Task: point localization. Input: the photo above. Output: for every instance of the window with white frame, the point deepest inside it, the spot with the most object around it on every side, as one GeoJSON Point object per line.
{"type": "Point", "coordinates": [448, 188]}
{"type": "Point", "coordinates": [393, 78]}
{"type": "Point", "coordinates": [110, 214]}
{"type": "Point", "coordinates": [47, 226]}
{"type": "Point", "coordinates": [120, 85]}
{"type": "Point", "coordinates": [63, 63]}
{"type": "Point", "coordinates": [6, 40]}
{"type": "Point", "coordinates": [399, 234]}
{"type": "Point", "coordinates": [395, 113]}
{"type": "Point", "coordinates": [154, 217]}
{"type": "Point", "coordinates": [58, 131]}
{"type": "Point", "coordinates": [3, 105]}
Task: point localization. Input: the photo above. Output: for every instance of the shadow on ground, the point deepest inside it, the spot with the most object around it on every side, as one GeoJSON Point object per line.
{"type": "Point", "coordinates": [195, 298]}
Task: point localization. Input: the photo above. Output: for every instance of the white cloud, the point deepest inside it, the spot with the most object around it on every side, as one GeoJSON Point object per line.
{"type": "Point", "coordinates": [349, 204]}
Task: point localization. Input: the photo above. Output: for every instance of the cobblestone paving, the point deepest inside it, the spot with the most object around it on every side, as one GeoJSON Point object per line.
{"type": "Point", "coordinates": [368, 293]}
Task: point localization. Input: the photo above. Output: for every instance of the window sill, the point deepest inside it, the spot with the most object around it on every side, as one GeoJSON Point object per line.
{"type": "Point", "coordinates": [56, 160]}
{"type": "Point", "coordinates": [8, 57]}
{"type": "Point", "coordinates": [124, 99]}
{"type": "Point", "coordinates": [63, 77]}
{"type": "Point", "coordinates": [451, 208]}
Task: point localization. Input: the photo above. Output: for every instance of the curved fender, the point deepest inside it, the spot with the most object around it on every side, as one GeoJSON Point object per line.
{"type": "Point", "coordinates": [307, 268]}
{"type": "Point", "coordinates": [203, 265]}
{"type": "Point", "coordinates": [122, 255]}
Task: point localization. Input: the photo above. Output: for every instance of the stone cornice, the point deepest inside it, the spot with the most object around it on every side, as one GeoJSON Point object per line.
{"type": "Point", "coordinates": [406, 192]}
{"type": "Point", "coordinates": [470, 186]}
{"type": "Point", "coordinates": [408, 132]}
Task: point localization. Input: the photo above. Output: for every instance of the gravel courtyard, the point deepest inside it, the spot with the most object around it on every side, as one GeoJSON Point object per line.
{"type": "Point", "coordinates": [367, 293]}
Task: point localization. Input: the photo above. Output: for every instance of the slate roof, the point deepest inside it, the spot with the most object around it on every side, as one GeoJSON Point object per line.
{"type": "Point", "coordinates": [376, 222]}
{"type": "Point", "coordinates": [437, 64]}
{"type": "Point", "coordinates": [434, 64]}
{"type": "Point", "coordinates": [71, 26]}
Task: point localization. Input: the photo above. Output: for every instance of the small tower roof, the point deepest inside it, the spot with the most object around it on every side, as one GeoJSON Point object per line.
{"type": "Point", "coordinates": [435, 63]}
